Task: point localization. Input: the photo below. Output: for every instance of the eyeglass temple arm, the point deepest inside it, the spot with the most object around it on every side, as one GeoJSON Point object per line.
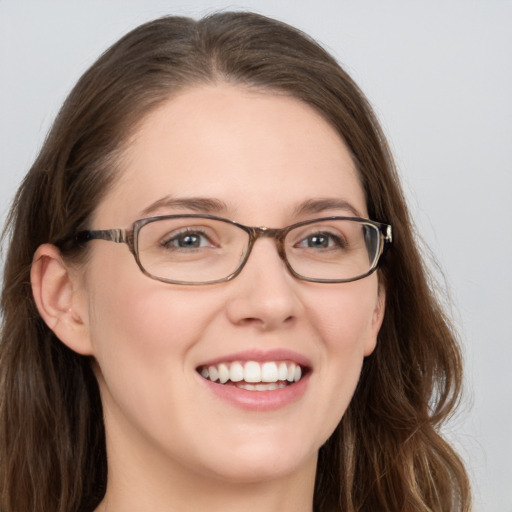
{"type": "Point", "coordinates": [388, 234]}
{"type": "Point", "coordinates": [119, 236]}
{"type": "Point", "coordinates": [387, 238]}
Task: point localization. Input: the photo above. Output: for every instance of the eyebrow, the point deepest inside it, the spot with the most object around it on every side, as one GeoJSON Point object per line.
{"type": "Point", "coordinates": [195, 204]}
{"type": "Point", "coordinates": [209, 205]}
{"type": "Point", "coordinates": [322, 204]}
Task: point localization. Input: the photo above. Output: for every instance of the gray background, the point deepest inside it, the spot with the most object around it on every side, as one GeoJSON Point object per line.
{"type": "Point", "coordinates": [439, 74]}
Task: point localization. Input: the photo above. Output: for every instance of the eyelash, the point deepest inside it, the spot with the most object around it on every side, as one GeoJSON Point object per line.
{"type": "Point", "coordinates": [339, 241]}
{"type": "Point", "coordinates": [167, 242]}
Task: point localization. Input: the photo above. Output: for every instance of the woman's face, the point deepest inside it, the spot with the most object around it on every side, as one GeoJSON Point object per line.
{"type": "Point", "coordinates": [264, 160]}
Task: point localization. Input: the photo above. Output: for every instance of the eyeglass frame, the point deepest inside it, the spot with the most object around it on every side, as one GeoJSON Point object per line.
{"type": "Point", "coordinates": [130, 238]}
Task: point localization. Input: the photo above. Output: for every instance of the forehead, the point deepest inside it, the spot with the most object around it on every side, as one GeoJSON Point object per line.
{"type": "Point", "coordinates": [258, 153]}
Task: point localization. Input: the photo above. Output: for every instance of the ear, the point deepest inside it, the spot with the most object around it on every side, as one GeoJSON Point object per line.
{"type": "Point", "coordinates": [376, 321]}
{"type": "Point", "coordinates": [59, 297]}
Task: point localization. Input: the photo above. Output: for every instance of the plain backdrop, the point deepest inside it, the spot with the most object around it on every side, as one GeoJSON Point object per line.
{"type": "Point", "coordinates": [439, 74]}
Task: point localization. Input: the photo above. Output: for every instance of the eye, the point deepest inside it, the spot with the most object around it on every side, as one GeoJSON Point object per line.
{"type": "Point", "coordinates": [187, 239]}
{"type": "Point", "coordinates": [321, 240]}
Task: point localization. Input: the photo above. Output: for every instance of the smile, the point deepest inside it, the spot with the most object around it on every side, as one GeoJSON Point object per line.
{"type": "Point", "coordinates": [253, 375]}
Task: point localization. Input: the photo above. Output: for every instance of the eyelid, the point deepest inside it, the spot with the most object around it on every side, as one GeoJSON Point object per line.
{"type": "Point", "coordinates": [183, 230]}
{"type": "Point", "coordinates": [172, 240]}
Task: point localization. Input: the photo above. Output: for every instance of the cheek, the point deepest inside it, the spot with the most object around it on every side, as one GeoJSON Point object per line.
{"type": "Point", "coordinates": [344, 319]}
{"type": "Point", "coordinates": [143, 334]}
{"type": "Point", "coordinates": [140, 325]}
{"type": "Point", "coordinates": [129, 336]}
{"type": "Point", "coordinates": [134, 313]}
{"type": "Point", "coordinates": [141, 330]}
{"type": "Point", "coordinates": [346, 316]}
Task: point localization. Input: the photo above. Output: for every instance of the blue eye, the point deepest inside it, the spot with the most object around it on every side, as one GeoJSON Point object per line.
{"type": "Point", "coordinates": [187, 240]}
{"type": "Point", "coordinates": [321, 240]}
{"type": "Point", "coordinates": [318, 241]}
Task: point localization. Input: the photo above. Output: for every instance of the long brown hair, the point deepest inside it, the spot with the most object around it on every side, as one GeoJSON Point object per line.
{"type": "Point", "coordinates": [386, 453]}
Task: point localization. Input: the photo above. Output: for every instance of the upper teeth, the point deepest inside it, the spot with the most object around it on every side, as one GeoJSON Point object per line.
{"type": "Point", "coordinates": [252, 371]}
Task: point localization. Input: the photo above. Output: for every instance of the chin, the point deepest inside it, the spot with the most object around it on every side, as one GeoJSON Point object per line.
{"type": "Point", "coordinates": [263, 460]}
{"type": "Point", "coordinates": [259, 471]}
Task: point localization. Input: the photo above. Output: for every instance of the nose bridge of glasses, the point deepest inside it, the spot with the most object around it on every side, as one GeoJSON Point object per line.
{"type": "Point", "coordinates": [264, 232]}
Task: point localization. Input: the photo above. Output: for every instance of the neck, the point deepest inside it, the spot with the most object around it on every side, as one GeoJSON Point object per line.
{"type": "Point", "coordinates": [158, 491]}
{"type": "Point", "coordinates": [142, 478]}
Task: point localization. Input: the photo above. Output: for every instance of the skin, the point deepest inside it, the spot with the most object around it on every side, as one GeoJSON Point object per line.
{"type": "Point", "coordinates": [168, 435]}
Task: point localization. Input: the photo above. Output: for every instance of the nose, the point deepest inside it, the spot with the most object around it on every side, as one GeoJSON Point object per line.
{"type": "Point", "coordinates": [264, 294]}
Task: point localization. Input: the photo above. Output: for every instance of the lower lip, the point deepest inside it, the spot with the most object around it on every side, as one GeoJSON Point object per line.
{"type": "Point", "coordinates": [270, 400]}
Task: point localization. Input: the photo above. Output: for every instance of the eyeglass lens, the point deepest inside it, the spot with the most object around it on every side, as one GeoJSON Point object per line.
{"type": "Point", "coordinates": [199, 250]}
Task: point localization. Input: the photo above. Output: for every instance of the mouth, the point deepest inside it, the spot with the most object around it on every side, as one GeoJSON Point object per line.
{"type": "Point", "coordinates": [254, 375]}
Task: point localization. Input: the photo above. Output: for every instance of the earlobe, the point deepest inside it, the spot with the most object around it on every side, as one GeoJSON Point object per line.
{"type": "Point", "coordinates": [57, 296]}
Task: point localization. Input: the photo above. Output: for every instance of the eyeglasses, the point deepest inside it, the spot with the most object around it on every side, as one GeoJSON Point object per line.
{"type": "Point", "coordinates": [205, 249]}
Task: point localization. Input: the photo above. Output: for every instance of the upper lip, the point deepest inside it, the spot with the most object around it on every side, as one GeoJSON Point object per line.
{"type": "Point", "coordinates": [260, 356]}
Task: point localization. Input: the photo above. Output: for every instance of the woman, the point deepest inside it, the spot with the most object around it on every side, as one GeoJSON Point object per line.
{"type": "Point", "coordinates": [301, 365]}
